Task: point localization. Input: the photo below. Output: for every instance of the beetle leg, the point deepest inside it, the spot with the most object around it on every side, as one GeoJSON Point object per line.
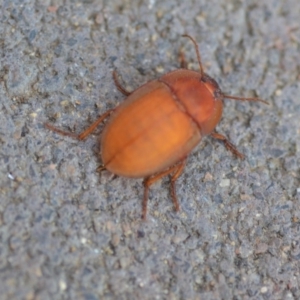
{"type": "Point", "coordinates": [86, 132]}
{"type": "Point", "coordinates": [229, 146]}
{"type": "Point", "coordinates": [118, 84]}
{"type": "Point", "coordinates": [103, 168]}
{"type": "Point", "coordinates": [177, 169]}
{"type": "Point", "coordinates": [100, 168]}
{"type": "Point", "coordinates": [174, 177]}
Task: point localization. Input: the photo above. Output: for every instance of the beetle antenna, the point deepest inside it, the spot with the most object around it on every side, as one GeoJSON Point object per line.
{"type": "Point", "coordinates": [197, 52]}
{"type": "Point", "coordinates": [245, 99]}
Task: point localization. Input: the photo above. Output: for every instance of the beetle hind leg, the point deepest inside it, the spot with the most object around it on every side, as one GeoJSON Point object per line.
{"type": "Point", "coordinates": [174, 177]}
{"type": "Point", "coordinates": [229, 146]}
{"type": "Point", "coordinates": [176, 172]}
{"type": "Point", "coordinates": [86, 132]}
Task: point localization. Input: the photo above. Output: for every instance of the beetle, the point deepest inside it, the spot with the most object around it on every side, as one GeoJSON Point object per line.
{"type": "Point", "coordinates": [152, 132]}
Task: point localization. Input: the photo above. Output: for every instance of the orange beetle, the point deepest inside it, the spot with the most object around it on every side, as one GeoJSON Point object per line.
{"type": "Point", "coordinates": [151, 133]}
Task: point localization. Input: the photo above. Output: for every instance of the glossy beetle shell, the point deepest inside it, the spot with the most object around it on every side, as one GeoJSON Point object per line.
{"type": "Point", "coordinates": [160, 123]}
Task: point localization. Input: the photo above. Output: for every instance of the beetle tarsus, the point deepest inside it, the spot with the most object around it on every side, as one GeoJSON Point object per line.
{"type": "Point", "coordinates": [61, 132]}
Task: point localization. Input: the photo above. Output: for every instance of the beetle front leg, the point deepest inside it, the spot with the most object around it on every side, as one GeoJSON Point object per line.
{"type": "Point", "coordinates": [229, 146]}
{"type": "Point", "coordinates": [176, 170]}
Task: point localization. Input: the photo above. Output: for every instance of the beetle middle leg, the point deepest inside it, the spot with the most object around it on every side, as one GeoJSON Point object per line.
{"type": "Point", "coordinates": [229, 146]}
{"type": "Point", "coordinates": [119, 86]}
{"type": "Point", "coordinates": [176, 170]}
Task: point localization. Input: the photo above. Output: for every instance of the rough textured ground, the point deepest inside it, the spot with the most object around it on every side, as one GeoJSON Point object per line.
{"type": "Point", "coordinates": [68, 232]}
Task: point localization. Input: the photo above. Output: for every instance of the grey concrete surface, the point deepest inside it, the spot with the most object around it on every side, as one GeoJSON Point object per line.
{"type": "Point", "coordinates": [68, 232]}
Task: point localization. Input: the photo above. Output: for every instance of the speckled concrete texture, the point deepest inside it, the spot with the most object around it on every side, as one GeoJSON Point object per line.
{"type": "Point", "coordinates": [68, 232]}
